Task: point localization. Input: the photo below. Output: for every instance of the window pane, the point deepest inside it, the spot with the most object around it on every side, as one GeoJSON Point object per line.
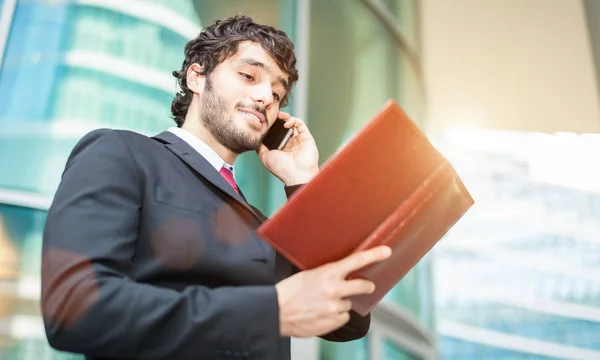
{"type": "Point", "coordinates": [394, 352]}
{"type": "Point", "coordinates": [534, 278]}
{"type": "Point", "coordinates": [355, 67]}
{"type": "Point", "coordinates": [57, 83]}
{"type": "Point", "coordinates": [21, 329]}
{"type": "Point", "coordinates": [465, 350]}
{"type": "Point", "coordinates": [359, 350]}
{"type": "Point", "coordinates": [261, 11]}
{"type": "Point", "coordinates": [126, 37]}
{"type": "Point", "coordinates": [354, 350]}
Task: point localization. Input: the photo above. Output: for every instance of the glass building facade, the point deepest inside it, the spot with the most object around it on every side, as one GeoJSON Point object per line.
{"type": "Point", "coordinates": [70, 66]}
{"type": "Point", "coordinates": [519, 276]}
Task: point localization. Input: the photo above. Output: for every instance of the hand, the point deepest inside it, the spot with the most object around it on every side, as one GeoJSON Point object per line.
{"type": "Point", "coordinates": [313, 302]}
{"type": "Point", "coordinates": [298, 161]}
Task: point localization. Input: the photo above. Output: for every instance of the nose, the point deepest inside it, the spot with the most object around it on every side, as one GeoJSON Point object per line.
{"type": "Point", "coordinates": [263, 93]}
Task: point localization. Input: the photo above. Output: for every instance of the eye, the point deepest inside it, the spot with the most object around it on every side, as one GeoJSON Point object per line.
{"type": "Point", "coordinates": [247, 76]}
{"type": "Point", "coordinates": [276, 96]}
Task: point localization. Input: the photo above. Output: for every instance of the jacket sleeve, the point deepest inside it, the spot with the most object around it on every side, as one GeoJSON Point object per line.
{"type": "Point", "coordinates": [358, 326]}
{"type": "Point", "coordinates": [89, 303]}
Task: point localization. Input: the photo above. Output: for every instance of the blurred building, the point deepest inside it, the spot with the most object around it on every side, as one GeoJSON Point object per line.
{"type": "Point", "coordinates": [513, 101]}
{"type": "Point", "coordinates": [69, 66]}
{"type": "Point", "coordinates": [507, 89]}
{"type": "Point", "coordinates": [519, 277]}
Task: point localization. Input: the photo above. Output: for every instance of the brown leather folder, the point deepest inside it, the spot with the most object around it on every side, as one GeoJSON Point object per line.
{"type": "Point", "coordinates": [387, 186]}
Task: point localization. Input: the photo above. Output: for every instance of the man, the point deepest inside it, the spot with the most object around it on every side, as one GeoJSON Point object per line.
{"type": "Point", "coordinates": [150, 248]}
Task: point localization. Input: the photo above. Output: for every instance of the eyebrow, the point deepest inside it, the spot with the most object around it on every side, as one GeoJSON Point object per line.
{"type": "Point", "coordinates": [261, 65]}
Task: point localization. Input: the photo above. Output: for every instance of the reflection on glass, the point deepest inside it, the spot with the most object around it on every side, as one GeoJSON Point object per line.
{"type": "Point", "coordinates": [94, 30]}
{"type": "Point", "coordinates": [354, 350]}
{"type": "Point", "coordinates": [8, 279]}
{"type": "Point", "coordinates": [21, 328]}
{"type": "Point", "coordinates": [359, 350]}
{"type": "Point", "coordinates": [261, 11]}
{"type": "Point", "coordinates": [355, 67]}
{"type": "Point", "coordinates": [523, 267]}
{"type": "Point", "coordinates": [48, 100]}
{"type": "Point", "coordinates": [63, 49]}
{"type": "Point", "coordinates": [8, 254]}
{"type": "Point", "coordinates": [394, 352]}
{"type": "Point", "coordinates": [457, 349]}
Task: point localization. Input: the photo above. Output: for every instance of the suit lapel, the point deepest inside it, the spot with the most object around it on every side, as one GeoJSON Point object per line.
{"type": "Point", "coordinates": [197, 162]}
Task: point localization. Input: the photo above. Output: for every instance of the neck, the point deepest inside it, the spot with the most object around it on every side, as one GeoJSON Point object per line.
{"type": "Point", "coordinates": [194, 126]}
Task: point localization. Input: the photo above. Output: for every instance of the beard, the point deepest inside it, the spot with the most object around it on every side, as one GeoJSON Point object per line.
{"type": "Point", "coordinates": [223, 127]}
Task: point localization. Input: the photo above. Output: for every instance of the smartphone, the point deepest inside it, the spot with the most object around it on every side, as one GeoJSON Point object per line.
{"type": "Point", "coordinates": [277, 136]}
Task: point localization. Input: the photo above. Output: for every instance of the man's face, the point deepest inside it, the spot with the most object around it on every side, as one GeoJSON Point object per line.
{"type": "Point", "coordinates": [241, 98]}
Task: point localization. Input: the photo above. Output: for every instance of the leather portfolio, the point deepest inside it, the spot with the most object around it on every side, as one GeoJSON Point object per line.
{"type": "Point", "coordinates": [387, 186]}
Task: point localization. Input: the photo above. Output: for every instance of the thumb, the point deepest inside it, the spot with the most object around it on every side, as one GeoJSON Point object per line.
{"type": "Point", "coordinates": [262, 150]}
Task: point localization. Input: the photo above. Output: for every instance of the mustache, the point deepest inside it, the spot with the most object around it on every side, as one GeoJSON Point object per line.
{"type": "Point", "coordinates": [255, 108]}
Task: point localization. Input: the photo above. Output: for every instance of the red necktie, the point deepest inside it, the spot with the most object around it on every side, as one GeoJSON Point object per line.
{"type": "Point", "coordinates": [228, 175]}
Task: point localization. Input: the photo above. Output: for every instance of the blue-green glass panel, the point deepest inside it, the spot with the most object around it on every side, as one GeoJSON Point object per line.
{"type": "Point", "coordinates": [185, 8]}
{"type": "Point", "coordinates": [355, 68]}
{"type": "Point", "coordinates": [47, 103]}
{"type": "Point", "coordinates": [533, 276]}
{"type": "Point", "coordinates": [87, 96]}
{"type": "Point", "coordinates": [125, 37]}
{"type": "Point", "coordinates": [392, 351]}
{"type": "Point", "coordinates": [465, 350]}
{"type": "Point", "coordinates": [21, 328]}
{"type": "Point", "coordinates": [354, 350]}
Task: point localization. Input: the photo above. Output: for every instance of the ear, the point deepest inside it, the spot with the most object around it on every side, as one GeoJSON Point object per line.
{"type": "Point", "coordinates": [195, 79]}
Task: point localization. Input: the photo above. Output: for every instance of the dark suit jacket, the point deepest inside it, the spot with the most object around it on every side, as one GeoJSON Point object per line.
{"type": "Point", "coordinates": [150, 254]}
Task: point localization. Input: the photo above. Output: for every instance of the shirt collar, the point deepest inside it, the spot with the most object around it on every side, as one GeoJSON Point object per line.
{"type": "Point", "coordinates": [202, 148]}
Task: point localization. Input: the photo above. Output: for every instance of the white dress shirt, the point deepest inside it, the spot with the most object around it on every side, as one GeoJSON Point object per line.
{"type": "Point", "coordinates": [204, 150]}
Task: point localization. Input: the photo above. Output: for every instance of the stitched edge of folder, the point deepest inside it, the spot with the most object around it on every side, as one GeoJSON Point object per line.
{"type": "Point", "coordinates": [452, 177]}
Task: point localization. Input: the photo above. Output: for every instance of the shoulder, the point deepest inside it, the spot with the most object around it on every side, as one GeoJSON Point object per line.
{"type": "Point", "coordinates": [106, 139]}
{"type": "Point", "coordinates": [109, 144]}
{"type": "Point", "coordinates": [115, 135]}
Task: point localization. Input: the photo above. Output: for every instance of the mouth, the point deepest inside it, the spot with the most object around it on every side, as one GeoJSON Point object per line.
{"type": "Point", "coordinates": [255, 116]}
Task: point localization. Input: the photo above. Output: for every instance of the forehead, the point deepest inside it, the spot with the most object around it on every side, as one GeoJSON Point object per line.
{"type": "Point", "coordinates": [254, 51]}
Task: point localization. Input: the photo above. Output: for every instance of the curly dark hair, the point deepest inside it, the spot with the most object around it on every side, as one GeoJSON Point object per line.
{"type": "Point", "coordinates": [220, 40]}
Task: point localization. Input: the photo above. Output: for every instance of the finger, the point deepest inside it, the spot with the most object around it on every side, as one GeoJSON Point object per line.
{"type": "Point", "coordinates": [342, 318]}
{"type": "Point", "coordinates": [343, 305]}
{"type": "Point", "coordinates": [334, 322]}
{"type": "Point", "coordinates": [289, 123]}
{"type": "Point", "coordinates": [363, 258]}
{"type": "Point", "coordinates": [262, 150]}
{"type": "Point", "coordinates": [298, 124]}
{"type": "Point", "coordinates": [284, 116]}
{"type": "Point", "coordinates": [357, 287]}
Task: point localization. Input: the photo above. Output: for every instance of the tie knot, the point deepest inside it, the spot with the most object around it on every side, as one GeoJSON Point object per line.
{"type": "Point", "coordinates": [228, 175]}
